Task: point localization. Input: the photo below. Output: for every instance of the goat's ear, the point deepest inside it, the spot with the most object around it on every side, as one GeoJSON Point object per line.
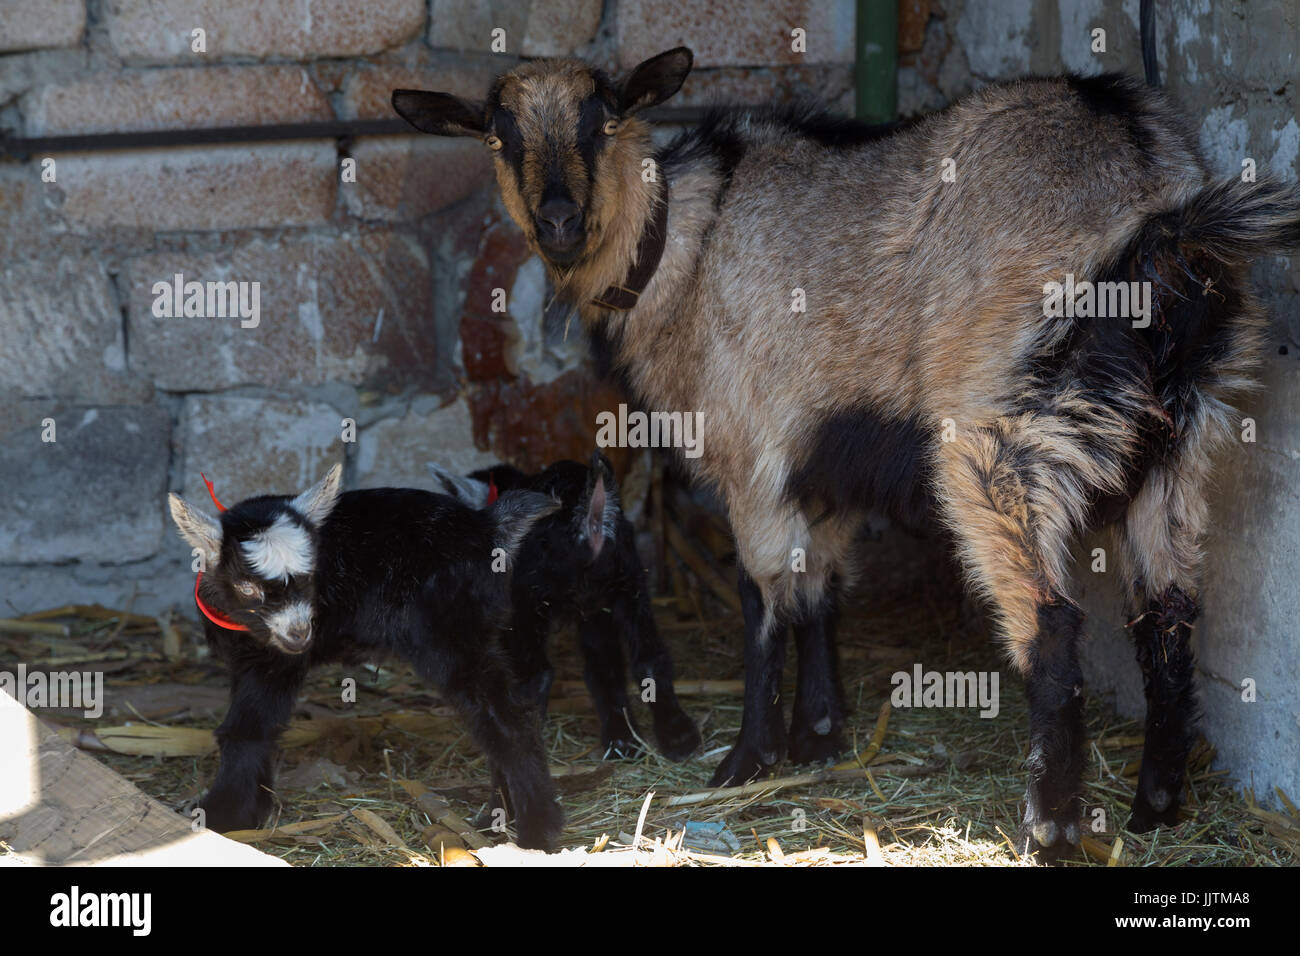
{"type": "Point", "coordinates": [656, 79]}
{"type": "Point", "coordinates": [601, 503]}
{"type": "Point", "coordinates": [316, 503]}
{"type": "Point", "coordinates": [439, 113]}
{"type": "Point", "coordinates": [197, 528]}
{"type": "Point", "coordinates": [469, 491]}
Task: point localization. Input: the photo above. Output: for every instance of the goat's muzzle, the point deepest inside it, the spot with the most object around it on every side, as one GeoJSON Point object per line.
{"type": "Point", "coordinates": [558, 223]}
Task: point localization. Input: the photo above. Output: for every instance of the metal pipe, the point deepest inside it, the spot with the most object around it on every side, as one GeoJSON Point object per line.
{"type": "Point", "coordinates": [876, 61]}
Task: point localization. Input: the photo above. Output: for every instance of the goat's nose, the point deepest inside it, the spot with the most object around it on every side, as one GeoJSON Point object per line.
{"type": "Point", "coordinates": [296, 639]}
{"type": "Point", "coordinates": [560, 215]}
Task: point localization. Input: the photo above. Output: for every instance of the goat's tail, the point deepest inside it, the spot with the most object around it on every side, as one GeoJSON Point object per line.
{"type": "Point", "coordinates": [515, 513]}
{"type": "Point", "coordinates": [1232, 221]}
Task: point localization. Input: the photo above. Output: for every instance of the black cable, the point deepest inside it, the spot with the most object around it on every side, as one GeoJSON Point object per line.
{"type": "Point", "coordinates": [21, 149]}
{"type": "Point", "coordinates": [1147, 28]}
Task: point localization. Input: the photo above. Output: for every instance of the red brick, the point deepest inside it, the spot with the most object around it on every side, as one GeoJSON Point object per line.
{"type": "Point", "coordinates": [468, 24]}
{"type": "Point", "coordinates": [560, 27]}
{"type": "Point", "coordinates": [755, 33]}
{"type": "Point", "coordinates": [748, 86]}
{"type": "Point", "coordinates": [406, 177]}
{"type": "Point", "coordinates": [368, 90]}
{"type": "Point", "coordinates": [302, 29]}
{"type": "Point", "coordinates": [122, 102]}
{"type": "Point", "coordinates": [38, 24]}
{"type": "Point", "coordinates": [533, 425]}
{"type": "Point", "coordinates": [200, 188]}
{"type": "Point", "coordinates": [321, 298]}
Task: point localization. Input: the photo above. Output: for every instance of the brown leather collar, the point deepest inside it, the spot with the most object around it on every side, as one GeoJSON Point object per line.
{"type": "Point", "coordinates": [649, 250]}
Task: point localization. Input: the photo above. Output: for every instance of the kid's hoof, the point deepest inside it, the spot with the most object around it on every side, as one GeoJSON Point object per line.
{"type": "Point", "coordinates": [541, 826]}
{"type": "Point", "coordinates": [677, 735]}
{"type": "Point", "coordinates": [622, 748]}
{"type": "Point", "coordinates": [808, 745]}
{"type": "Point", "coordinates": [742, 765]}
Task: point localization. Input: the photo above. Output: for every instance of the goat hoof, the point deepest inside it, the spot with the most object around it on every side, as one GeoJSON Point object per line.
{"type": "Point", "coordinates": [1049, 840]}
{"type": "Point", "coordinates": [742, 765]}
{"type": "Point", "coordinates": [677, 735]}
{"type": "Point", "coordinates": [815, 743]}
{"type": "Point", "coordinates": [540, 827]}
{"type": "Point", "coordinates": [622, 748]}
{"type": "Point", "coordinates": [1145, 817]}
{"type": "Point", "coordinates": [223, 814]}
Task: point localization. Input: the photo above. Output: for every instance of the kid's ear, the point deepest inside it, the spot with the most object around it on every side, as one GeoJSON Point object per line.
{"type": "Point", "coordinates": [656, 79]}
{"type": "Point", "coordinates": [197, 528]}
{"type": "Point", "coordinates": [439, 113]}
{"type": "Point", "coordinates": [468, 491]}
{"type": "Point", "coordinates": [601, 503]}
{"type": "Point", "coordinates": [316, 503]}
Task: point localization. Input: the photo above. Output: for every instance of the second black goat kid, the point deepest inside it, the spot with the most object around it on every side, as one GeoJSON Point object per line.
{"type": "Point", "coordinates": [581, 562]}
{"type": "Point", "coordinates": [289, 583]}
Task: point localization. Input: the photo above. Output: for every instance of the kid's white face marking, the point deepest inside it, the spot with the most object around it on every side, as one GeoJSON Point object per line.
{"type": "Point", "coordinates": [280, 551]}
{"type": "Point", "coordinates": [290, 627]}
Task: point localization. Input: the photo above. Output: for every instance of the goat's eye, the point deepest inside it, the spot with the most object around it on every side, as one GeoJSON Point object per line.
{"type": "Point", "coordinates": [610, 127]}
{"type": "Point", "coordinates": [493, 142]}
{"type": "Point", "coordinates": [248, 589]}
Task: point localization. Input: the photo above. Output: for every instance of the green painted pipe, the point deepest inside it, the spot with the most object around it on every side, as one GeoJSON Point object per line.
{"type": "Point", "coordinates": [876, 67]}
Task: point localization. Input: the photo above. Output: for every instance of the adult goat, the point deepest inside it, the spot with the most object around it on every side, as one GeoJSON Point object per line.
{"type": "Point", "coordinates": [862, 319]}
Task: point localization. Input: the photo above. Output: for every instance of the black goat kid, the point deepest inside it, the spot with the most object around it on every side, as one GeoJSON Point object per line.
{"type": "Point", "coordinates": [295, 582]}
{"type": "Point", "coordinates": [581, 562]}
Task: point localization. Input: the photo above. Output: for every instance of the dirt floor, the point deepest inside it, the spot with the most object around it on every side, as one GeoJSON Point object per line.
{"type": "Point", "coordinates": [392, 779]}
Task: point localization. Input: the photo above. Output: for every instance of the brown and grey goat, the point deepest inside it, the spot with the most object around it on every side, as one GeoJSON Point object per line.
{"type": "Point", "coordinates": [861, 317]}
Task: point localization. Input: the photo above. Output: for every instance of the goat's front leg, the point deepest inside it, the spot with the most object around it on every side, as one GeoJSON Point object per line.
{"type": "Point", "coordinates": [818, 721]}
{"type": "Point", "coordinates": [261, 702]}
{"type": "Point", "coordinates": [606, 679]}
{"type": "Point", "coordinates": [651, 662]}
{"type": "Point", "coordinates": [762, 742]}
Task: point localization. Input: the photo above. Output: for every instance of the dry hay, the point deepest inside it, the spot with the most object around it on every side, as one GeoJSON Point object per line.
{"type": "Point", "coordinates": [393, 779]}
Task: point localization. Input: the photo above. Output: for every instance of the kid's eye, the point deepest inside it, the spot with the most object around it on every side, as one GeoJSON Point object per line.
{"type": "Point", "coordinates": [493, 142]}
{"type": "Point", "coordinates": [610, 127]}
{"type": "Point", "coordinates": [248, 589]}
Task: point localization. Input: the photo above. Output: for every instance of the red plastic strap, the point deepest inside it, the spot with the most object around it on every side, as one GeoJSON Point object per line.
{"type": "Point", "coordinates": [492, 489]}
{"type": "Point", "coordinates": [207, 612]}
{"type": "Point", "coordinates": [212, 494]}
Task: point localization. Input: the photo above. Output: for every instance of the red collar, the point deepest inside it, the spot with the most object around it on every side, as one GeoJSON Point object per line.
{"type": "Point", "coordinates": [492, 490]}
{"type": "Point", "coordinates": [211, 615]}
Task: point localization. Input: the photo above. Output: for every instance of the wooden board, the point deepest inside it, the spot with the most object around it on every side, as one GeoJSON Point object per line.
{"type": "Point", "coordinates": [59, 806]}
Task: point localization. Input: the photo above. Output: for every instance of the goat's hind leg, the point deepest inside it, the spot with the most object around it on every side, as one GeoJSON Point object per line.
{"type": "Point", "coordinates": [1161, 534]}
{"type": "Point", "coordinates": [477, 682]}
{"type": "Point", "coordinates": [651, 661]}
{"type": "Point", "coordinates": [1011, 514]}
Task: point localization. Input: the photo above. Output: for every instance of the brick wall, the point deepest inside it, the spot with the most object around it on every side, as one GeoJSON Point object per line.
{"type": "Point", "coordinates": [375, 295]}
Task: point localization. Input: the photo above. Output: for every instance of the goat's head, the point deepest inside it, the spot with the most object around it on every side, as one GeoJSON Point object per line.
{"type": "Point", "coordinates": [259, 561]}
{"type": "Point", "coordinates": [566, 141]}
{"type": "Point", "coordinates": [589, 497]}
